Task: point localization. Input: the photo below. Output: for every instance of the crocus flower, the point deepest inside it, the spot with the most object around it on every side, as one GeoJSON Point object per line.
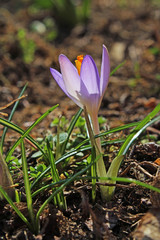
{"type": "Point", "coordinates": [86, 88]}
{"type": "Point", "coordinates": [83, 83]}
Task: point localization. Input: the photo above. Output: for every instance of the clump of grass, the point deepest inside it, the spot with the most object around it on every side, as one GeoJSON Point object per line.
{"type": "Point", "coordinates": [58, 150]}
{"type": "Point", "coordinates": [27, 46]}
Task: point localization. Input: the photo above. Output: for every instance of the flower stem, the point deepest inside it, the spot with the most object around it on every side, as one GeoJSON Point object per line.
{"type": "Point", "coordinates": [100, 166]}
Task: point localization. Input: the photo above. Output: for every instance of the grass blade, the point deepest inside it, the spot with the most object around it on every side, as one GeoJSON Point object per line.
{"type": "Point", "coordinates": [48, 186]}
{"type": "Point", "coordinates": [139, 129]}
{"type": "Point", "coordinates": [68, 181]}
{"type": "Point", "coordinates": [130, 180]}
{"type": "Point", "coordinates": [27, 184]}
{"type": "Point", "coordinates": [25, 134]}
{"type": "Point", "coordinates": [17, 129]}
{"type": "Point", "coordinates": [55, 177]}
{"type": "Point", "coordinates": [79, 147]}
{"type": "Point", "coordinates": [70, 154]}
{"type": "Point", "coordinates": [119, 66]}
{"type": "Point", "coordinates": [113, 130]}
{"type": "Point", "coordinates": [115, 165]}
{"type": "Point", "coordinates": [10, 118]}
{"type": "Point", "coordinates": [9, 200]}
{"type": "Point", "coordinates": [70, 129]}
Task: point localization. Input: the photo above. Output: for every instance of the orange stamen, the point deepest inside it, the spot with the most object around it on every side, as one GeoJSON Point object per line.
{"type": "Point", "coordinates": [78, 63]}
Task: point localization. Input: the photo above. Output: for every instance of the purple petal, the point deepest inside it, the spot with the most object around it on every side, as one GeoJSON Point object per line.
{"type": "Point", "coordinates": [105, 70]}
{"type": "Point", "coordinates": [58, 77]}
{"type": "Point", "coordinates": [88, 99]}
{"type": "Point", "coordinates": [70, 76]}
{"type": "Point", "coordinates": [89, 75]}
{"type": "Point", "coordinates": [91, 103]}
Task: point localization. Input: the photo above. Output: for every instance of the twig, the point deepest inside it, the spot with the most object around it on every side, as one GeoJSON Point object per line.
{"type": "Point", "coordinates": [115, 185]}
{"type": "Point", "coordinates": [15, 100]}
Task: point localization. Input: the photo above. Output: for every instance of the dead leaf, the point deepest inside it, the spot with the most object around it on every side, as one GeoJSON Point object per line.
{"type": "Point", "coordinates": [149, 226]}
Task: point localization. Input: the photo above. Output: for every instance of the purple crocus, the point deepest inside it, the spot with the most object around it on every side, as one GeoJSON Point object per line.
{"type": "Point", "coordinates": [86, 88]}
{"type": "Point", "coordinates": [82, 83]}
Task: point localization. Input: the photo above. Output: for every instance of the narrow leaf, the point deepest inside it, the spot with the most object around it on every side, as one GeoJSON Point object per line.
{"type": "Point", "coordinates": [10, 118]}
{"type": "Point", "coordinates": [27, 184]}
{"type": "Point", "coordinates": [25, 134]}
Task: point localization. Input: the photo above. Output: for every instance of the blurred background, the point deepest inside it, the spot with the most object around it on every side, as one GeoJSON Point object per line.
{"type": "Point", "coordinates": [34, 32]}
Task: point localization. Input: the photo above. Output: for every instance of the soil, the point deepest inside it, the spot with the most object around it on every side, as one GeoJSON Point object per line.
{"type": "Point", "coordinates": [130, 30]}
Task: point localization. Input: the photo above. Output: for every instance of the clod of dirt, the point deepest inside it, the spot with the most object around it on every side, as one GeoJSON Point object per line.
{"type": "Point", "coordinates": [155, 196]}
{"type": "Point", "coordinates": [148, 151]}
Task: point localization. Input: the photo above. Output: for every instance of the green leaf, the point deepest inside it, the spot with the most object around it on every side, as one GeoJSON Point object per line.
{"type": "Point", "coordinates": [112, 172]}
{"type": "Point", "coordinates": [9, 200]}
{"type": "Point", "coordinates": [25, 134]}
{"type": "Point", "coordinates": [147, 121]}
{"type": "Point", "coordinates": [17, 129]}
{"type": "Point", "coordinates": [70, 154]}
{"type": "Point", "coordinates": [70, 129]}
{"type": "Point", "coordinates": [115, 165]}
{"type": "Point", "coordinates": [68, 181]}
{"type": "Point", "coordinates": [119, 66]}
{"type": "Point", "coordinates": [113, 130]}
{"type": "Point", "coordinates": [10, 118]}
{"type": "Point", "coordinates": [6, 179]}
{"type": "Point", "coordinates": [63, 136]}
{"type": "Point", "coordinates": [27, 185]}
{"type": "Point", "coordinates": [37, 154]}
